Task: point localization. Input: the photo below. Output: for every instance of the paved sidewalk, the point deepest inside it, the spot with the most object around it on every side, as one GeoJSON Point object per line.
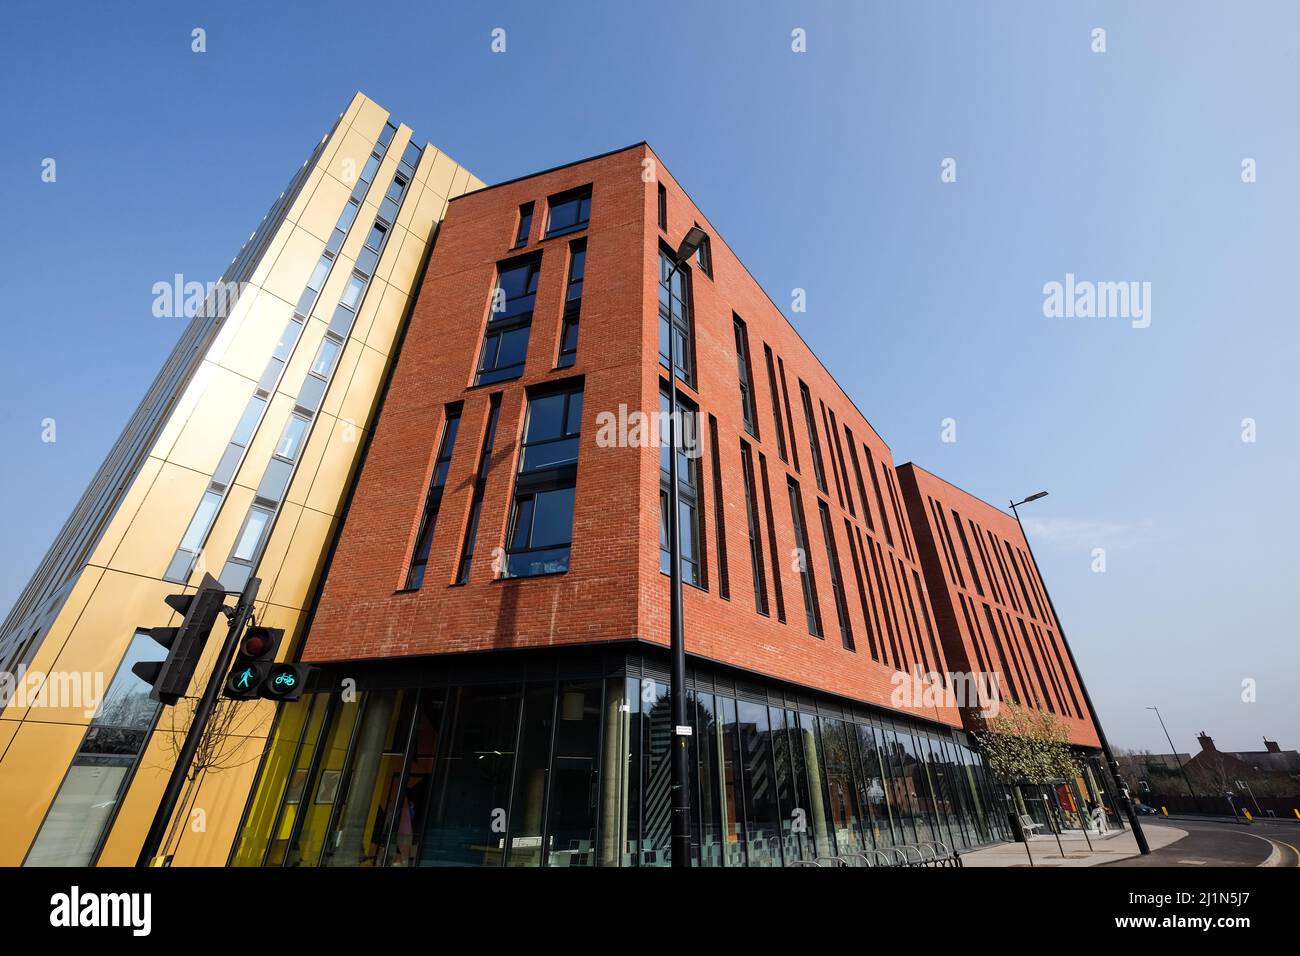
{"type": "Point", "coordinates": [1116, 845]}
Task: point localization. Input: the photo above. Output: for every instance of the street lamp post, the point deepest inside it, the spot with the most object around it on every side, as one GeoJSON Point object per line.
{"type": "Point", "coordinates": [679, 765]}
{"type": "Point", "coordinates": [1125, 799]}
{"type": "Point", "coordinates": [1187, 780]}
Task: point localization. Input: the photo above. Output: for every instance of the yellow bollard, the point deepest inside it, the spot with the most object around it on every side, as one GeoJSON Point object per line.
{"type": "Point", "coordinates": [1249, 818]}
{"type": "Point", "coordinates": [1296, 812]}
{"type": "Point", "coordinates": [1165, 811]}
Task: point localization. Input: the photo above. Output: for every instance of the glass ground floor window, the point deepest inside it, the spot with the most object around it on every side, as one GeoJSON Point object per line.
{"type": "Point", "coordinates": [566, 763]}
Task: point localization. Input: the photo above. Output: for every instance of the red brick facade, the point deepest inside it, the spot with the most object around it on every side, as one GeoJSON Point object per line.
{"type": "Point", "coordinates": [989, 600]}
{"type": "Point", "coordinates": [614, 589]}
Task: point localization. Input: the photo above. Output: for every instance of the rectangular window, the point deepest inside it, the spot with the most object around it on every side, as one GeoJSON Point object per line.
{"type": "Point", "coordinates": [810, 420]}
{"type": "Point", "coordinates": [776, 402]}
{"type": "Point", "coordinates": [704, 257]}
{"type": "Point", "coordinates": [830, 450]}
{"type": "Point", "coordinates": [719, 519]}
{"type": "Point", "coordinates": [749, 413]}
{"type": "Point", "coordinates": [771, 539]}
{"type": "Point", "coordinates": [79, 818]}
{"type": "Point", "coordinates": [505, 341]}
{"type": "Point", "coordinates": [541, 526]}
{"type": "Point", "coordinates": [839, 455]}
{"type": "Point", "coordinates": [572, 304]}
{"type": "Point", "coordinates": [291, 438]}
{"type": "Point", "coordinates": [480, 484]}
{"type": "Point", "coordinates": [857, 473]}
{"type": "Point", "coordinates": [837, 579]}
{"type": "Point", "coordinates": [789, 418]}
{"type": "Point", "coordinates": [755, 532]}
{"type": "Point", "coordinates": [525, 224]}
{"type": "Point", "coordinates": [804, 560]}
{"type": "Point", "coordinates": [433, 500]}
{"type": "Point", "coordinates": [663, 208]}
{"type": "Point", "coordinates": [880, 499]}
{"type": "Point", "coordinates": [675, 317]}
{"type": "Point", "coordinates": [570, 211]}
{"type": "Point", "coordinates": [251, 537]}
{"type": "Point", "coordinates": [862, 591]}
{"type": "Point", "coordinates": [688, 503]}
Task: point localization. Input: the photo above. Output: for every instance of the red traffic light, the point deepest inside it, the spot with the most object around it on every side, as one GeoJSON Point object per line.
{"type": "Point", "coordinates": [259, 643]}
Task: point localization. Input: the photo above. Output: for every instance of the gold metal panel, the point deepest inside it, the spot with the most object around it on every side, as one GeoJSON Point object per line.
{"type": "Point", "coordinates": [7, 730]}
{"type": "Point", "coordinates": [264, 441]}
{"type": "Point", "coordinates": [160, 523]}
{"type": "Point", "coordinates": [125, 514]}
{"type": "Point", "coordinates": [30, 774]}
{"type": "Point", "coordinates": [253, 343]}
{"type": "Point", "coordinates": [222, 538]}
{"type": "Point", "coordinates": [429, 208]}
{"type": "Point", "coordinates": [330, 480]}
{"type": "Point", "coordinates": [294, 213]}
{"type": "Point", "coordinates": [406, 265]}
{"type": "Point", "coordinates": [202, 440]}
{"type": "Point", "coordinates": [350, 157]}
{"type": "Point", "coordinates": [322, 211]}
{"type": "Point", "coordinates": [441, 174]}
{"type": "Point", "coordinates": [370, 119]}
{"type": "Point", "coordinates": [221, 797]}
{"type": "Point", "coordinates": [294, 265]}
{"type": "Point", "coordinates": [359, 231]}
{"type": "Point", "coordinates": [45, 656]}
{"type": "Point", "coordinates": [273, 250]}
{"type": "Point", "coordinates": [170, 431]}
{"type": "Point", "coordinates": [358, 100]}
{"type": "Point", "coordinates": [347, 364]}
{"type": "Point", "coordinates": [422, 168]}
{"type": "Point", "coordinates": [309, 340]}
{"type": "Point", "coordinates": [294, 582]}
{"type": "Point", "coordinates": [460, 181]}
{"type": "Point", "coordinates": [382, 333]}
{"type": "Point", "coordinates": [369, 306]}
{"type": "Point", "coordinates": [309, 459]}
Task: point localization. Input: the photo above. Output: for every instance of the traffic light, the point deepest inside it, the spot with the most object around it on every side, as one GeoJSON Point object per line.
{"type": "Point", "coordinates": [170, 677]}
{"type": "Point", "coordinates": [253, 662]}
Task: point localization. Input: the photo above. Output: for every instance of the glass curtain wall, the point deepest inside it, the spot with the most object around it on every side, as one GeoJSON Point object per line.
{"type": "Point", "coordinates": [573, 771]}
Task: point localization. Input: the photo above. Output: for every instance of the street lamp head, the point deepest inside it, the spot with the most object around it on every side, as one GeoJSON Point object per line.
{"type": "Point", "coordinates": [1035, 497]}
{"type": "Point", "coordinates": [691, 244]}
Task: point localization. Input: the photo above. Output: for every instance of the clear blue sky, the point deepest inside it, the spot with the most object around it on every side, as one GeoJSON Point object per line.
{"type": "Point", "coordinates": [822, 171]}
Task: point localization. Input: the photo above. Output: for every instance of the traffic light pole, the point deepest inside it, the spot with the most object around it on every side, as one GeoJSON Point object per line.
{"type": "Point", "coordinates": [153, 841]}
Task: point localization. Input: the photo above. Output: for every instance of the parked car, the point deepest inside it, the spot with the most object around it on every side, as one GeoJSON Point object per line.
{"type": "Point", "coordinates": [1144, 808]}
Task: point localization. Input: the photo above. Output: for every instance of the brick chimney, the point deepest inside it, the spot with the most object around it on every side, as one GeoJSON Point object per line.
{"type": "Point", "coordinates": [1207, 742]}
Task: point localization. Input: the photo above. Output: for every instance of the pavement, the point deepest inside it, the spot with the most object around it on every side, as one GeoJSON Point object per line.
{"type": "Point", "coordinates": [1181, 842]}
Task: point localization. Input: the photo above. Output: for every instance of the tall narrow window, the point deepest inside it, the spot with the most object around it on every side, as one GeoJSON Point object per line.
{"type": "Point", "coordinates": [749, 414]}
{"type": "Point", "coordinates": [704, 258]}
{"type": "Point", "coordinates": [862, 591]}
{"type": "Point", "coordinates": [78, 820]}
{"type": "Point", "coordinates": [837, 579]}
{"type": "Point", "coordinates": [804, 560]}
{"type": "Point", "coordinates": [810, 420]}
{"type": "Point", "coordinates": [541, 527]}
{"type": "Point", "coordinates": [688, 513]}
{"type": "Point", "coordinates": [480, 484]}
{"type": "Point", "coordinates": [505, 342]}
{"type": "Point", "coordinates": [675, 316]}
{"type": "Point", "coordinates": [857, 473]}
{"type": "Point", "coordinates": [719, 516]}
{"type": "Point", "coordinates": [880, 499]}
{"type": "Point", "coordinates": [525, 224]}
{"type": "Point", "coordinates": [789, 418]}
{"type": "Point", "coordinates": [663, 207]}
{"type": "Point", "coordinates": [830, 450]}
{"type": "Point", "coordinates": [776, 402]}
{"type": "Point", "coordinates": [570, 211]}
{"type": "Point", "coordinates": [572, 304]}
{"type": "Point", "coordinates": [839, 455]}
{"type": "Point", "coordinates": [755, 532]}
{"type": "Point", "coordinates": [433, 500]}
{"type": "Point", "coordinates": [771, 539]}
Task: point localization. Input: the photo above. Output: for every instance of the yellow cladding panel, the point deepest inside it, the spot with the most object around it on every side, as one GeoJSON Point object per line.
{"type": "Point", "coordinates": [7, 730]}
{"type": "Point", "coordinates": [255, 340]}
{"type": "Point", "coordinates": [427, 153]}
{"type": "Point", "coordinates": [309, 185]}
{"type": "Point", "coordinates": [126, 512]}
{"type": "Point", "coordinates": [309, 459]}
{"type": "Point", "coordinates": [219, 805]}
{"type": "Point", "coordinates": [322, 211]}
{"type": "Point", "coordinates": [203, 439]}
{"type": "Point", "coordinates": [358, 100]}
{"type": "Point", "coordinates": [157, 527]}
{"type": "Point", "coordinates": [347, 364]}
{"type": "Point", "coordinates": [369, 306]}
{"type": "Point", "coordinates": [142, 799]}
{"type": "Point", "coordinates": [277, 549]}
{"type": "Point", "coordinates": [264, 441]}
{"type": "Point", "coordinates": [328, 484]}
{"type": "Point", "coordinates": [350, 157]}
{"type": "Point", "coordinates": [441, 174]}
{"type": "Point", "coordinates": [460, 182]}
{"type": "Point", "coordinates": [363, 390]}
{"type": "Point", "coordinates": [64, 622]}
{"type": "Point", "coordinates": [304, 354]}
{"type": "Point", "coordinates": [180, 414]}
{"type": "Point", "coordinates": [297, 575]}
{"type": "Point", "coordinates": [30, 775]}
{"type": "Point", "coordinates": [329, 295]}
{"type": "Point", "coordinates": [273, 250]}
{"type": "Point", "coordinates": [392, 249]}
{"type": "Point", "coordinates": [294, 265]}
{"type": "Point", "coordinates": [406, 266]}
{"type": "Point", "coordinates": [382, 332]}
{"type": "Point", "coordinates": [430, 208]}
{"type": "Point", "coordinates": [370, 119]}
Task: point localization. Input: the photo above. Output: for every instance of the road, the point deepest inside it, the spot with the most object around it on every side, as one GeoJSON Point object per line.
{"type": "Point", "coordinates": [1215, 843]}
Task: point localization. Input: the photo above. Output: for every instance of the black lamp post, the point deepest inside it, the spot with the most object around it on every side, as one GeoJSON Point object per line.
{"type": "Point", "coordinates": [679, 765]}
{"type": "Point", "coordinates": [1125, 800]}
{"type": "Point", "coordinates": [1187, 780]}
